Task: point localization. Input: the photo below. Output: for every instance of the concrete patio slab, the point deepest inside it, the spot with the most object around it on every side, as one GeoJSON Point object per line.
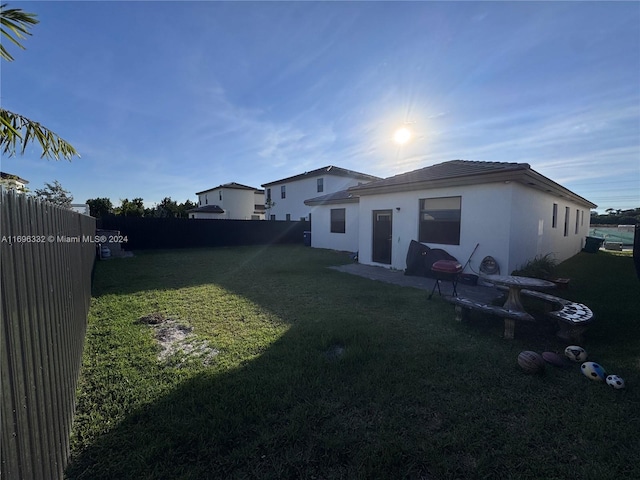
{"type": "Point", "coordinates": [482, 293]}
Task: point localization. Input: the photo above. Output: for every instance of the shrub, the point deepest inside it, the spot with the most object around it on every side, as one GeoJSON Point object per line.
{"type": "Point", "coordinates": [543, 267]}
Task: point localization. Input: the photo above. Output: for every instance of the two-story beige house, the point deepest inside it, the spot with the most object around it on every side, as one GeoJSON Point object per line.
{"type": "Point", "coordinates": [230, 201]}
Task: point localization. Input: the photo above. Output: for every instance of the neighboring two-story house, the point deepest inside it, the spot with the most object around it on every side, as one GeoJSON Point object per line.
{"type": "Point", "coordinates": [13, 182]}
{"type": "Point", "coordinates": [231, 201]}
{"type": "Point", "coordinates": [285, 198]}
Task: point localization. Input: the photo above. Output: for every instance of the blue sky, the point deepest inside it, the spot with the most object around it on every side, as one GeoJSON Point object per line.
{"type": "Point", "coordinates": [171, 98]}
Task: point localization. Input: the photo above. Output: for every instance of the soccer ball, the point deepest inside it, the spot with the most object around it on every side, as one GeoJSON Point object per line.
{"type": "Point", "coordinates": [593, 371]}
{"type": "Point", "coordinates": [575, 353]}
{"type": "Point", "coordinates": [615, 382]}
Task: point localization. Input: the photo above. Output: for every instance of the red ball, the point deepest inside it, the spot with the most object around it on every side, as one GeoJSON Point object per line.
{"type": "Point", "coordinates": [530, 362]}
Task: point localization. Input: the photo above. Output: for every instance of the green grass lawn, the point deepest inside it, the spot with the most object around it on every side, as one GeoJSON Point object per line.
{"type": "Point", "coordinates": [323, 375]}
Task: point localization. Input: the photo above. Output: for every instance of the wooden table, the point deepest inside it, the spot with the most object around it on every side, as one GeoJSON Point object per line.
{"type": "Point", "coordinates": [516, 284]}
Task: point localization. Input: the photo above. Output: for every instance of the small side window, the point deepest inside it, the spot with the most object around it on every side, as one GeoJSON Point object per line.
{"type": "Point", "coordinates": [338, 220]}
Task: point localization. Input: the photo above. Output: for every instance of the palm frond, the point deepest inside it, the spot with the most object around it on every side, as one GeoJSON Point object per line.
{"type": "Point", "coordinates": [17, 131]}
{"type": "Point", "coordinates": [14, 25]}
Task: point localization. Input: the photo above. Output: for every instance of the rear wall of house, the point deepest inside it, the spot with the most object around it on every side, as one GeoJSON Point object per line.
{"type": "Point", "coordinates": [485, 211]}
{"type": "Point", "coordinates": [321, 235]}
{"type": "Point", "coordinates": [508, 221]}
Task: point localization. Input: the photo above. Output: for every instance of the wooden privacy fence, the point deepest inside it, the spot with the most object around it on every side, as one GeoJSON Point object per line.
{"type": "Point", "coordinates": [149, 233]}
{"type": "Point", "coordinates": [46, 261]}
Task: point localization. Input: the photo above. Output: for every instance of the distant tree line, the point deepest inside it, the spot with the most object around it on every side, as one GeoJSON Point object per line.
{"type": "Point", "coordinates": [616, 217]}
{"type": "Point", "coordinates": [167, 208]}
{"type": "Point", "coordinates": [102, 207]}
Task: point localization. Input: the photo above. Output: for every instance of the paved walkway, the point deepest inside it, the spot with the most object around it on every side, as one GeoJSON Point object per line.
{"type": "Point", "coordinates": [397, 277]}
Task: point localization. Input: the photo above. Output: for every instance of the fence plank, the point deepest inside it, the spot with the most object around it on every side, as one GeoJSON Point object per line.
{"type": "Point", "coordinates": [46, 292]}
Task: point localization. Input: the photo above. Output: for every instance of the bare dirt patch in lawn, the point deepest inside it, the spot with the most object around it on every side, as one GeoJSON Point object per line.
{"type": "Point", "coordinates": [178, 343]}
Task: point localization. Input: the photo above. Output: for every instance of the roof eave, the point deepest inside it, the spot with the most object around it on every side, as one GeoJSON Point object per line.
{"type": "Point", "coordinates": [328, 170]}
{"type": "Point", "coordinates": [314, 203]}
{"type": "Point", "coordinates": [538, 181]}
{"type": "Point", "coordinates": [462, 180]}
{"type": "Point", "coordinates": [527, 177]}
{"type": "Point", "coordinates": [231, 186]}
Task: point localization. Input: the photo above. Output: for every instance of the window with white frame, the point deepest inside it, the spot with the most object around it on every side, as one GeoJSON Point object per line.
{"type": "Point", "coordinates": [320, 185]}
{"type": "Point", "coordinates": [283, 191]}
{"type": "Point", "coordinates": [554, 218]}
{"type": "Point", "coordinates": [440, 220]}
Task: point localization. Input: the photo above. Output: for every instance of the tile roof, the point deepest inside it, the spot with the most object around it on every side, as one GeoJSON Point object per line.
{"type": "Point", "coordinates": [328, 170]}
{"type": "Point", "coordinates": [207, 209]}
{"type": "Point", "coordinates": [233, 185]}
{"type": "Point", "coordinates": [342, 196]}
{"type": "Point", "coordinates": [447, 171]}
{"type": "Point", "coordinates": [465, 172]}
{"type": "Point", "coordinates": [10, 176]}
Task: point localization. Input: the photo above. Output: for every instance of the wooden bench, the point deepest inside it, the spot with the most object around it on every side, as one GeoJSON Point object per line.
{"type": "Point", "coordinates": [465, 305]}
{"type": "Point", "coordinates": [573, 318]}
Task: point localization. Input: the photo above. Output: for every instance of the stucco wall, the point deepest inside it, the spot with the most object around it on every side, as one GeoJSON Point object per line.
{"type": "Point", "coordinates": [508, 221]}
{"type": "Point", "coordinates": [321, 236]}
{"type": "Point", "coordinates": [210, 216]}
{"type": "Point", "coordinates": [533, 234]}
{"type": "Point", "coordinates": [300, 190]}
{"type": "Point", "coordinates": [238, 204]}
{"type": "Point", "coordinates": [205, 198]}
{"type": "Point", "coordinates": [484, 211]}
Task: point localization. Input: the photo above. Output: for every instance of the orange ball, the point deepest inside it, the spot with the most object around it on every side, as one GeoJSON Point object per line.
{"type": "Point", "coordinates": [531, 362]}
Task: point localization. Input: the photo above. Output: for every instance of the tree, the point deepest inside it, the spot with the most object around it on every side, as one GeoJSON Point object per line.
{"type": "Point", "coordinates": [17, 131]}
{"type": "Point", "coordinates": [100, 207]}
{"type": "Point", "coordinates": [133, 208]}
{"type": "Point", "coordinates": [54, 194]}
{"type": "Point", "coordinates": [183, 208]}
{"type": "Point", "coordinates": [617, 217]}
{"type": "Point", "coordinates": [166, 208]}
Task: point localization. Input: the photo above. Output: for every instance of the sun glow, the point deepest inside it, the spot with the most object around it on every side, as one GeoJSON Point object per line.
{"type": "Point", "coordinates": [402, 136]}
